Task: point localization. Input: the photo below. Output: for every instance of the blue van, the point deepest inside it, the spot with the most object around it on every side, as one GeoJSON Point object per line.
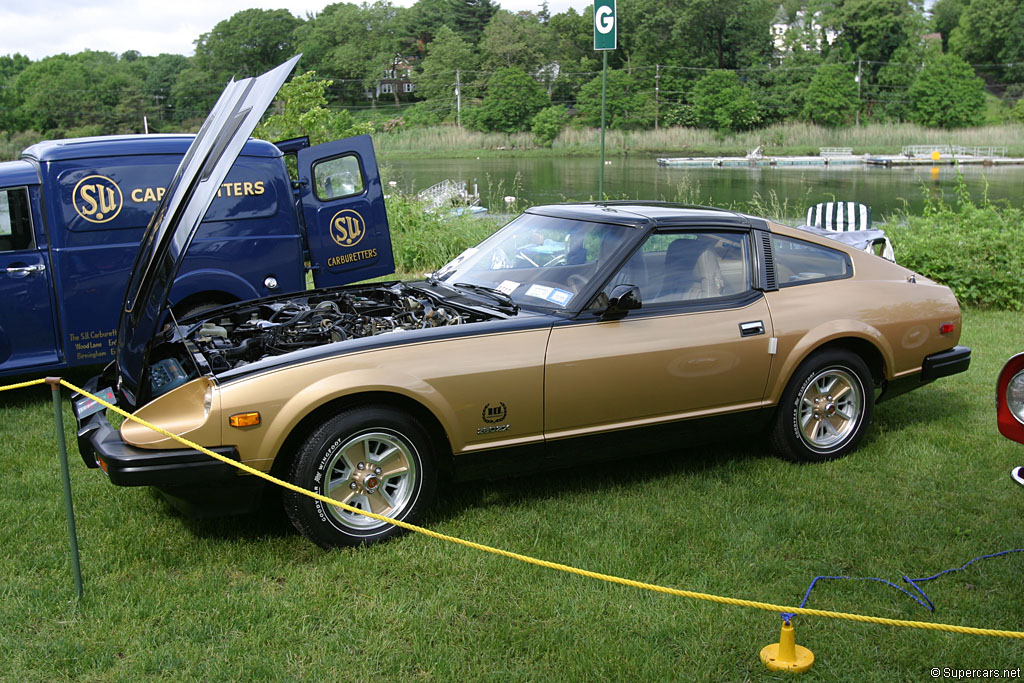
{"type": "Point", "coordinates": [73, 213]}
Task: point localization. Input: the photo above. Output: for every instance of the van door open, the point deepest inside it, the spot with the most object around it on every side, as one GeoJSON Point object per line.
{"type": "Point", "coordinates": [27, 335]}
{"type": "Point", "coordinates": [343, 207]}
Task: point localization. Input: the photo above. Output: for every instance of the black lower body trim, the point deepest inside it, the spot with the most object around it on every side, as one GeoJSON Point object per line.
{"type": "Point", "coordinates": [945, 363]}
{"type": "Point", "coordinates": [101, 446]}
{"type": "Point", "coordinates": [942, 364]}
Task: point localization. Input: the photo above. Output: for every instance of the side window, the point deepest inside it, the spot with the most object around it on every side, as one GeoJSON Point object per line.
{"type": "Point", "coordinates": [687, 266]}
{"type": "Point", "coordinates": [799, 262]}
{"type": "Point", "coordinates": [15, 221]}
{"type": "Point", "coordinates": [338, 177]}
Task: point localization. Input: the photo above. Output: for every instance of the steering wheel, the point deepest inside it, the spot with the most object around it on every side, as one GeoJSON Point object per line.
{"type": "Point", "coordinates": [576, 282]}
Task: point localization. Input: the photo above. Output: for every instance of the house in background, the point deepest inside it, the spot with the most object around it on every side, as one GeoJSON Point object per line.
{"type": "Point", "coordinates": [396, 83]}
{"type": "Point", "coordinates": [804, 29]}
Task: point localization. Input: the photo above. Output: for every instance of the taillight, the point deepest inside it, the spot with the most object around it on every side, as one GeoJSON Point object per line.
{"type": "Point", "coordinates": [946, 328]}
{"type": "Point", "coordinates": [1010, 399]}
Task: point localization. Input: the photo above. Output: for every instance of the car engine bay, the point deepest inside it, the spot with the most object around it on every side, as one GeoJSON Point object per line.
{"type": "Point", "coordinates": [237, 335]}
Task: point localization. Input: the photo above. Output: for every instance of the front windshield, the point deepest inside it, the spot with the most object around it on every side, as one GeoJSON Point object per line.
{"type": "Point", "coordinates": [538, 261]}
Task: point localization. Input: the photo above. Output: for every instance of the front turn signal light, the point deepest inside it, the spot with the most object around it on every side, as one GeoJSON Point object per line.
{"type": "Point", "coordinates": [244, 419]}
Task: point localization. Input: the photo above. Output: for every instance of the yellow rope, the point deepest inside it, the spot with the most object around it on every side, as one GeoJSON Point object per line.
{"type": "Point", "coordinates": [554, 565]}
{"type": "Point", "coordinates": [22, 385]}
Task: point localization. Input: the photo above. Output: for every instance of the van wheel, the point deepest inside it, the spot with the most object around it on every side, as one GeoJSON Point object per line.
{"type": "Point", "coordinates": [374, 459]}
{"type": "Point", "coordinates": [195, 309]}
{"type": "Point", "coordinates": [825, 408]}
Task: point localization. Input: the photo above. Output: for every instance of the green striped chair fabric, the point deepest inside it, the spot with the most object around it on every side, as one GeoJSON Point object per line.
{"type": "Point", "coordinates": [840, 216]}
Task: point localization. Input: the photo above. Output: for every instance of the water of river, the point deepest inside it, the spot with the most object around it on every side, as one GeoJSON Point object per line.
{"type": "Point", "coordinates": [545, 180]}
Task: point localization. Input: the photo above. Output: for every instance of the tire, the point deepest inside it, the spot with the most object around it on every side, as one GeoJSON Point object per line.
{"type": "Point", "coordinates": [195, 308]}
{"type": "Point", "coordinates": [825, 408]}
{"type": "Point", "coordinates": [378, 438]}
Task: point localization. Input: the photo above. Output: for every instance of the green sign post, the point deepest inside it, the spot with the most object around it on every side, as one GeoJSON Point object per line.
{"type": "Point", "coordinates": [605, 38]}
{"type": "Point", "coordinates": [605, 25]}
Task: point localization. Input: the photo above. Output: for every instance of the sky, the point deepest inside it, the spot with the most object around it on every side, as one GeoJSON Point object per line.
{"type": "Point", "coordinates": [42, 28]}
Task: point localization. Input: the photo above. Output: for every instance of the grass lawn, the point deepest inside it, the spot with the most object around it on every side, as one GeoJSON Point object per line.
{"type": "Point", "coordinates": [248, 598]}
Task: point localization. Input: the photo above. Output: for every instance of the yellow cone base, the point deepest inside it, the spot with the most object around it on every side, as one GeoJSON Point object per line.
{"type": "Point", "coordinates": [786, 655]}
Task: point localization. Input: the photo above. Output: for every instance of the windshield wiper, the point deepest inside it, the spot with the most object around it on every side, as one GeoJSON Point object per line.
{"type": "Point", "coordinates": [497, 295]}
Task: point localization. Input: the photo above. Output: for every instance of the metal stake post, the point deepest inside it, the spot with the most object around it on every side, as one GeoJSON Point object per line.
{"type": "Point", "coordinates": [76, 567]}
{"type": "Point", "coordinates": [604, 87]}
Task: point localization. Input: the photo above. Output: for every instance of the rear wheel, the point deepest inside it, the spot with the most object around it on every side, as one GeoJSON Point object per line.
{"type": "Point", "coordinates": [374, 459]}
{"type": "Point", "coordinates": [825, 409]}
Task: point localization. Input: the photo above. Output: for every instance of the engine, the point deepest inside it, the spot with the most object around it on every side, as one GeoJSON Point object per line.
{"type": "Point", "coordinates": [249, 333]}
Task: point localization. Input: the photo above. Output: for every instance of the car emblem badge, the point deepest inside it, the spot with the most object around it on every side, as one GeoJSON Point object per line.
{"type": "Point", "coordinates": [494, 413]}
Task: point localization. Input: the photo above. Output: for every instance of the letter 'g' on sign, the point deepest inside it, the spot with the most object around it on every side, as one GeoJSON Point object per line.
{"type": "Point", "coordinates": [604, 25]}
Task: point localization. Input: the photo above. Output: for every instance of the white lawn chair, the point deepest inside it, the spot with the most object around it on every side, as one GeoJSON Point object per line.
{"type": "Point", "coordinates": [845, 217]}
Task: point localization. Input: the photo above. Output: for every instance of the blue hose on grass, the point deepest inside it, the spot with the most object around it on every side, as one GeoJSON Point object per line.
{"type": "Point", "coordinates": [926, 602]}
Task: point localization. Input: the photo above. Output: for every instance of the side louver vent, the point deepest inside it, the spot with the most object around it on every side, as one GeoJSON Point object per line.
{"type": "Point", "coordinates": [771, 282]}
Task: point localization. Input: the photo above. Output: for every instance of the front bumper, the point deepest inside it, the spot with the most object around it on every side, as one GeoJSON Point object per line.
{"type": "Point", "coordinates": [101, 446]}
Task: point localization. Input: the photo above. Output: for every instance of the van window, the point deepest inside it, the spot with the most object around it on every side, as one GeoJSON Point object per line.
{"type": "Point", "coordinates": [338, 177]}
{"type": "Point", "coordinates": [15, 222]}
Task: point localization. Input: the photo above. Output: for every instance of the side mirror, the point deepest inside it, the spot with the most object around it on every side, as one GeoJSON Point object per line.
{"type": "Point", "coordinates": [623, 299]}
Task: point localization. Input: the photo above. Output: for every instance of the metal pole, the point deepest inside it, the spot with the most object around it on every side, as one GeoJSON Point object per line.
{"type": "Point", "coordinates": [69, 508]}
{"type": "Point", "coordinates": [604, 88]}
{"type": "Point", "coordinates": [657, 84]}
{"type": "Point", "coordinates": [458, 98]}
{"type": "Point", "coordinates": [858, 94]}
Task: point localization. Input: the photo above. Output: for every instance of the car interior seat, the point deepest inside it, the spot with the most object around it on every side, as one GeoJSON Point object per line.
{"type": "Point", "coordinates": [691, 271]}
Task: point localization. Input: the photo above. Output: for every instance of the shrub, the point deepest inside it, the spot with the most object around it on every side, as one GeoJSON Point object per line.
{"type": "Point", "coordinates": [548, 123]}
{"type": "Point", "coordinates": [512, 98]}
{"type": "Point", "coordinates": [423, 240]}
{"type": "Point", "coordinates": [977, 250]}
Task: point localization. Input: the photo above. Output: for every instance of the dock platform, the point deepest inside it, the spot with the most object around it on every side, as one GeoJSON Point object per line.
{"type": "Point", "coordinates": [760, 161]}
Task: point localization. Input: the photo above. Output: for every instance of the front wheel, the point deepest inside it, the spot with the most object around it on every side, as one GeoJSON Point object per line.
{"type": "Point", "coordinates": [825, 409]}
{"type": "Point", "coordinates": [374, 459]}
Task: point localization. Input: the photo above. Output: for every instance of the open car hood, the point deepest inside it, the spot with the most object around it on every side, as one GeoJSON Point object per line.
{"type": "Point", "coordinates": [177, 217]}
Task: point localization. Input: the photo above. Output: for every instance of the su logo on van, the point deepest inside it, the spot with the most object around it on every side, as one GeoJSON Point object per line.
{"type": "Point", "coordinates": [97, 199]}
{"type": "Point", "coordinates": [347, 228]}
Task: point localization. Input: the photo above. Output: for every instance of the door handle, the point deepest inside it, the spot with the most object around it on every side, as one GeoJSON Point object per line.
{"type": "Point", "coordinates": [25, 270]}
{"type": "Point", "coordinates": [751, 329]}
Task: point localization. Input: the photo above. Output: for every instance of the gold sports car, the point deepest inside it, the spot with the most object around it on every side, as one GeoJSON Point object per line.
{"type": "Point", "coordinates": [577, 331]}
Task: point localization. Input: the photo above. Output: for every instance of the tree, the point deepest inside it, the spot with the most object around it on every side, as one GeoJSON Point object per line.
{"type": "Point", "coordinates": [873, 30]}
{"type": "Point", "coordinates": [981, 34]}
{"type": "Point", "coordinates": [699, 33]}
{"type": "Point", "coordinates": [250, 42]}
{"type": "Point", "coordinates": [511, 101]}
{"type": "Point", "coordinates": [831, 98]}
{"type": "Point", "coordinates": [425, 18]}
{"type": "Point", "coordinates": [720, 101]}
{"type": "Point", "coordinates": [354, 45]}
{"type": "Point", "coordinates": [516, 40]}
{"type": "Point", "coordinates": [887, 94]}
{"type": "Point", "coordinates": [946, 17]}
{"type": "Point", "coordinates": [1012, 53]}
{"type": "Point", "coordinates": [469, 17]}
{"type": "Point", "coordinates": [780, 91]}
{"type": "Point", "coordinates": [629, 104]}
{"type": "Point", "coordinates": [194, 93]}
{"type": "Point", "coordinates": [301, 109]}
{"type": "Point", "coordinates": [572, 37]}
{"type": "Point", "coordinates": [435, 79]}
{"type": "Point", "coordinates": [947, 94]}
{"type": "Point", "coordinates": [10, 66]}
{"type": "Point", "coordinates": [88, 93]}
{"type": "Point", "coordinates": [161, 74]}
